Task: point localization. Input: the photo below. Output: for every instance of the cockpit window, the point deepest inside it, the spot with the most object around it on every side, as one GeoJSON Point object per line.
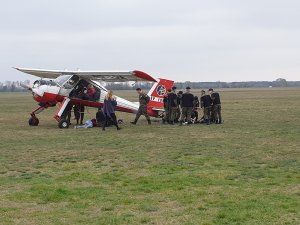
{"type": "Point", "coordinates": [47, 82]}
{"type": "Point", "coordinates": [71, 82]}
{"type": "Point", "coordinates": [62, 79]}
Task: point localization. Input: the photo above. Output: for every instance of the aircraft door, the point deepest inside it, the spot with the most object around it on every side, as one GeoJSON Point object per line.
{"type": "Point", "coordinates": [69, 85]}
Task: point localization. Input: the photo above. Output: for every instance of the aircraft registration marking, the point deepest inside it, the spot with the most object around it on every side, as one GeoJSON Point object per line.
{"type": "Point", "coordinates": [156, 99]}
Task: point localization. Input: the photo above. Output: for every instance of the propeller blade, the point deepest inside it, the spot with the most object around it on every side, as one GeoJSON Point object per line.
{"type": "Point", "coordinates": [26, 86]}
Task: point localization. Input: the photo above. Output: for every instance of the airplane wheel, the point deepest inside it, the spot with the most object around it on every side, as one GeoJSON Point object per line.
{"type": "Point", "coordinates": [33, 121]}
{"type": "Point", "coordinates": [63, 123]}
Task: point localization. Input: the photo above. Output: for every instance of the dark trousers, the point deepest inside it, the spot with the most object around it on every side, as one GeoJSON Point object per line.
{"type": "Point", "coordinates": [101, 123]}
{"type": "Point", "coordinates": [142, 111]}
{"type": "Point", "coordinates": [216, 112]}
{"type": "Point", "coordinates": [79, 113]}
{"type": "Point", "coordinates": [186, 114]}
{"type": "Point", "coordinates": [178, 114]}
{"type": "Point", "coordinates": [207, 113]}
{"type": "Point", "coordinates": [67, 113]}
{"type": "Point", "coordinates": [110, 119]}
{"type": "Point", "coordinates": [172, 114]}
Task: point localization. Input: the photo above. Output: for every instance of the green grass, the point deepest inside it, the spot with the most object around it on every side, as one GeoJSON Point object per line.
{"type": "Point", "coordinates": [245, 171]}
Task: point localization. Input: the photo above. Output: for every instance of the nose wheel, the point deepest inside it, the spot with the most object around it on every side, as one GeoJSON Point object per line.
{"type": "Point", "coordinates": [33, 121]}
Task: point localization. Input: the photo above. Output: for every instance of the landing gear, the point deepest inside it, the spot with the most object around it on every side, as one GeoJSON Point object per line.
{"type": "Point", "coordinates": [63, 123]}
{"type": "Point", "coordinates": [61, 114]}
{"type": "Point", "coordinates": [33, 121]}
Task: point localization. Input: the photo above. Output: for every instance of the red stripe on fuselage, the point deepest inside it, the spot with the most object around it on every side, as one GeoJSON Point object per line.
{"type": "Point", "coordinates": [75, 101]}
{"type": "Point", "coordinates": [47, 98]}
{"type": "Point", "coordinates": [54, 99]}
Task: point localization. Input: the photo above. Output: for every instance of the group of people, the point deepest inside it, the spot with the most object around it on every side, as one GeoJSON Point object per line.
{"type": "Point", "coordinates": [105, 116]}
{"type": "Point", "coordinates": [85, 91]}
{"type": "Point", "coordinates": [182, 107]}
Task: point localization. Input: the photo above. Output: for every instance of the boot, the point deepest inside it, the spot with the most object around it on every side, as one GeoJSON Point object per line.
{"type": "Point", "coordinates": [149, 122]}
{"type": "Point", "coordinates": [134, 122]}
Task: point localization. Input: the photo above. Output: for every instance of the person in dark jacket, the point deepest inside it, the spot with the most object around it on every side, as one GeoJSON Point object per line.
{"type": "Point", "coordinates": [187, 104]}
{"type": "Point", "coordinates": [194, 115]}
{"type": "Point", "coordinates": [109, 109]}
{"type": "Point", "coordinates": [172, 105]}
{"type": "Point", "coordinates": [78, 113]}
{"type": "Point", "coordinates": [143, 108]}
{"type": "Point", "coordinates": [216, 106]}
{"type": "Point", "coordinates": [166, 108]}
{"type": "Point", "coordinates": [178, 112]}
{"type": "Point", "coordinates": [100, 118]}
{"type": "Point", "coordinates": [206, 103]}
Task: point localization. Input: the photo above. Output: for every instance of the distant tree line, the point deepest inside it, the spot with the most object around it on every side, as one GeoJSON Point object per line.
{"type": "Point", "coordinates": [280, 82]}
{"type": "Point", "coordinates": [14, 86]}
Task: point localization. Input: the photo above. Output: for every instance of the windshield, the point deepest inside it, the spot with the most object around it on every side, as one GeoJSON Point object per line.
{"type": "Point", "coordinates": [62, 79]}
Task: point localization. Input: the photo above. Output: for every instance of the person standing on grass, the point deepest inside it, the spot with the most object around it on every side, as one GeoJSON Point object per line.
{"type": "Point", "coordinates": [166, 108]}
{"type": "Point", "coordinates": [143, 108]}
{"type": "Point", "coordinates": [187, 104]}
{"type": "Point", "coordinates": [206, 102]}
{"type": "Point", "coordinates": [172, 105]}
{"type": "Point", "coordinates": [195, 109]}
{"type": "Point", "coordinates": [109, 110]}
{"type": "Point", "coordinates": [216, 106]}
{"type": "Point", "coordinates": [178, 113]}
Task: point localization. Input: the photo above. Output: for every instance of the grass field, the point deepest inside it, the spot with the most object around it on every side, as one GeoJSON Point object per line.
{"type": "Point", "coordinates": [245, 171]}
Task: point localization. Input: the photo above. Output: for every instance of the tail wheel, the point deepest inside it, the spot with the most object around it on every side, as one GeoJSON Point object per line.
{"type": "Point", "coordinates": [63, 123]}
{"type": "Point", "coordinates": [33, 121]}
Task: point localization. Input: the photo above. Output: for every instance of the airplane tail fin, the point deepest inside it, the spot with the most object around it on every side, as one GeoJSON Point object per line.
{"type": "Point", "coordinates": [157, 92]}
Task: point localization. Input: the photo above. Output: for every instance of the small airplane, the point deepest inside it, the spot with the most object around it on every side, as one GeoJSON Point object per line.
{"type": "Point", "coordinates": [64, 88]}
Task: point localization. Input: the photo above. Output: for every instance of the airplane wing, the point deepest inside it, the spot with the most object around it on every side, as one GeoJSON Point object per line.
{"type": "Point", "coordinates": [106, 76]}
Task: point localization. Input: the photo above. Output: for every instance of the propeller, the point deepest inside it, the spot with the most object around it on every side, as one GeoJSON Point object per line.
{"type": "Point", "coordinates": [26, 86]}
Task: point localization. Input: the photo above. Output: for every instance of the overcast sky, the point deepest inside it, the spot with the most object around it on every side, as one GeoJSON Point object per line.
{"type": "Point", "coordinates": [194, 40]}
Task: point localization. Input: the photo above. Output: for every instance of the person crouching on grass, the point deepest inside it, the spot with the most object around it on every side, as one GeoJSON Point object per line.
{"type": "Point", "coordinates": [100, 117]}
{"type": "Point", "coordinates": [109, 110]}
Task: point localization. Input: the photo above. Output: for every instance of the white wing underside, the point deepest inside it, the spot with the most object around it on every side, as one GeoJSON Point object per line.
{"type": "Point", "coordinates": [106, 76]}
